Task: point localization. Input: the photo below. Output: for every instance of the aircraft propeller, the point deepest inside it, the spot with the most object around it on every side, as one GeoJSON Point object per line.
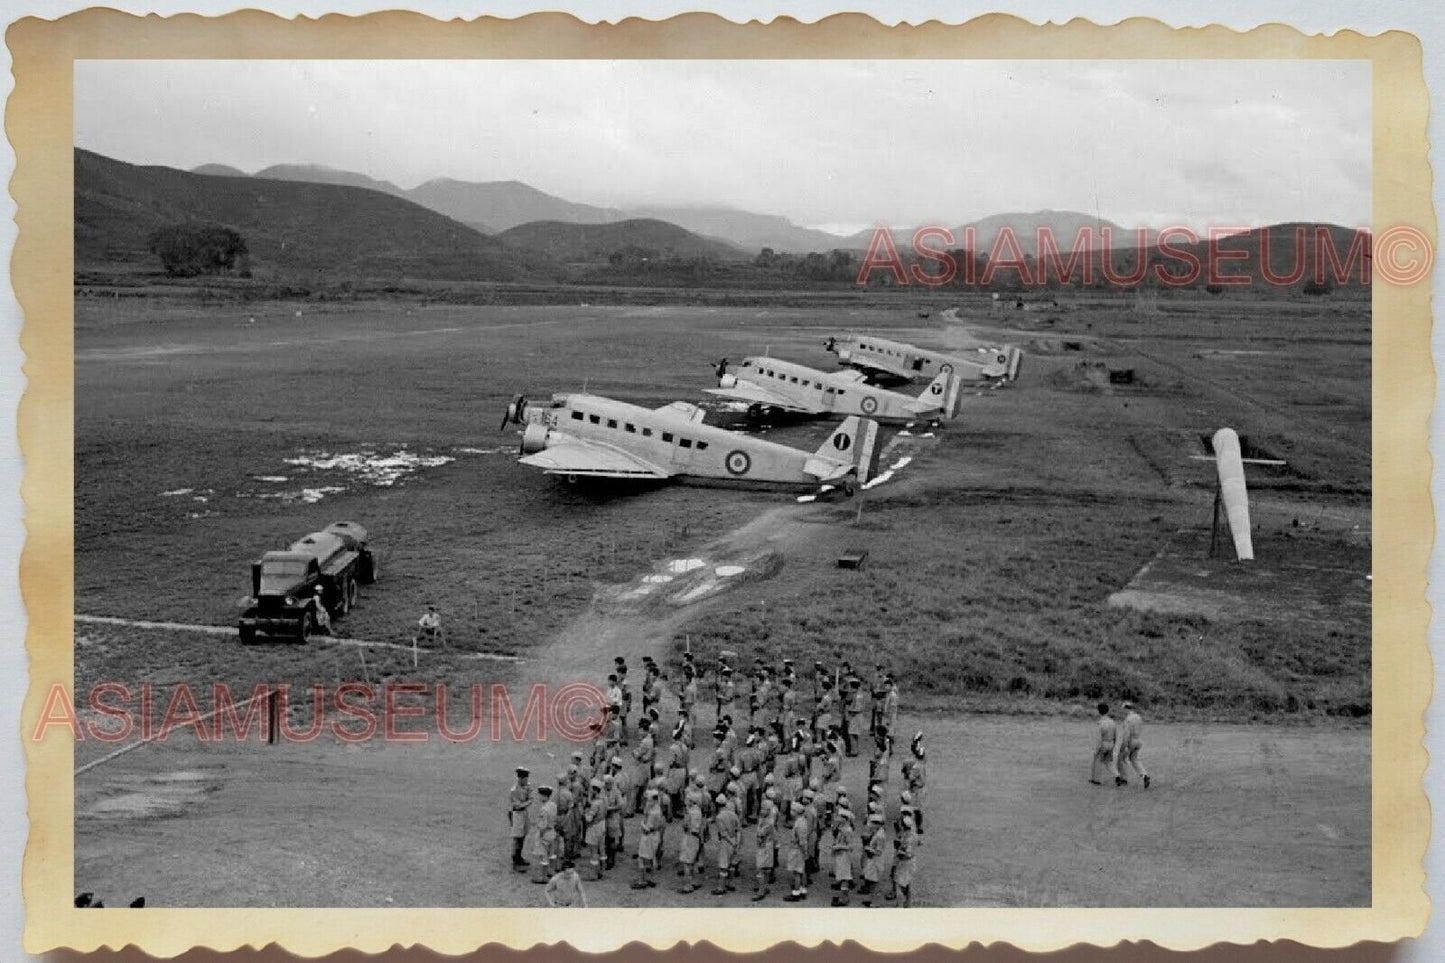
{"type": "Point", "coordinates": [516, 408]}
{"type": "Point", "coordinates": [721, 367]}
{"type": "Point", "coordinates": [830, 344]}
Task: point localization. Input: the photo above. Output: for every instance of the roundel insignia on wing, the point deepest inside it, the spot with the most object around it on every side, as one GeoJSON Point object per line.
{"type": "Point", "coordinates": [842, 442]}
{"type": "Point", "coordinates": [737, 462]}
{"type": "Point", "coordinates": [869, 405]}
{"type": "Point", "coordinates": [946, 367]}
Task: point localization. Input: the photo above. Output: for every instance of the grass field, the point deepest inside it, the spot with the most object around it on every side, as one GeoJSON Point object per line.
{"type": "Point", "coordinates": [208, 433]}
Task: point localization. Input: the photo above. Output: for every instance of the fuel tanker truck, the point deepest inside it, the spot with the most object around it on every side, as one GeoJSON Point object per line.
{"type": "Point", "coordinates": [284, 585]}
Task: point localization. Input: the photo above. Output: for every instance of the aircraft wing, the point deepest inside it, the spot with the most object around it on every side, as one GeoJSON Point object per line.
{"type": "Point", "coordinates": [578, 457]}
{"type": "Point", "coordinates": [756, 394]}
{"type": "Point", "coordinates": [686, 409]}
{"type": "Point", "coordinates": [883, 367]}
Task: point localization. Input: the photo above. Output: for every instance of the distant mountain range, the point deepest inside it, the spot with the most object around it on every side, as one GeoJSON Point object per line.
{"type": "Point", "coordinates": [593, 243]}
{"type": "Point", "coordinates": [289, 226]}
{"type": "Point", "coordinates": [1062, 226]}
{"type": "Point", "coordinates": [303, 218]}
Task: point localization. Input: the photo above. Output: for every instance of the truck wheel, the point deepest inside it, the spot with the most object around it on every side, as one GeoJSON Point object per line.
{"type": "Point", "coordinates": [248, 634]}
{"type": "Point", "coordinates": [348, 596]}
{"type": "Point", "coordinates": [307, 626]}
{"type": "Point", "coordinates": [371, 570]}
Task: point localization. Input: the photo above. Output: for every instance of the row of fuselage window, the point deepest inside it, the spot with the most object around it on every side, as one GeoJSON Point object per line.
{"type": "Point", "coordinates": [644, 431]}
{"type": "Point", "coordinates": [794, 379]}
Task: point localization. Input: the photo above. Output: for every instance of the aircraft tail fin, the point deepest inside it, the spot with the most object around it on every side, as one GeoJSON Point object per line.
{"type": "Point", "coordinates": [852, 447]}
{"type": "Point", "coordinates": [944, 393]}
{"type": "Point", "coordinates": [1015, 362]}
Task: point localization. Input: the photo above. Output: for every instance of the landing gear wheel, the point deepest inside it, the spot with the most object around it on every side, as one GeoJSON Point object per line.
{"type": "Point", "coordinates": [755, 412]}
{"type": "Point", "coordinates": [248, 634]}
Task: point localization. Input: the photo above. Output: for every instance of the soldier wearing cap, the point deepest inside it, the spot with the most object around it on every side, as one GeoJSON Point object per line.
{"type": "Point", "coordinates": [643, 755]}
{"type": "Point", "coordinates": [765, 847]}
{"type": "Point", "coordinates": [875, 848]}
{"type": "Point", "coordinates": [675, 775]}
{"type": "Point", "coordinates": [842, 853]}
{"type": "Point", "coordinates": [728, 830]}
{"type": "Point", "coordinates": [890, 704]}
{"type": "Point", "coordinates": [546, 847]}
{"type": "Point", "coordinates": [684, 732]}
{"type": "Point", "coordinates": [905, 850]}
{"type": "Point", "coordinates": [750, 760]}
{"type": "Point", "coordinates": [615, 805]}
{"type": "Point", "coordinates": [687, 698]}
{"type": "Point", "coordinates": [788, 708]}
{"type": "Point", "coordinates": [594, 833]}
{"type": "Point", "coordinates": [825, 712]}
{"type": "Point", "coordinates": [519, 800]}
{"type": "Point", "coordinates": [812, 810]}
{"type": "Point", "coordinates": [915, 773]}
{"type": "Point", "coordinates": [626, 691]}
{"type": "Point", "coordinates": [651, 688]}
{"type": "Point", "coordinates": [852, 712]}
{"type": "Point", "coordinates": [798, 836]}
{"type": "Point", "coordinates": [691, 846]}
{"type": "Point", "coordinates": [1127, 745]}
{"type": "Point", "coordinates": [882, 759]}
{"type": "Point", "coordinates": [727, 692]}
{"type": "Point", "coordinates": [567, 813]}
{"type": "Point", "coordinates": [649, 845]}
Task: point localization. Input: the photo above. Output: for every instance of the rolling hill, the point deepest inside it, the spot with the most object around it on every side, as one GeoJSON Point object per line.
{"type": "Point", "coordinates": [291, 227]}
{"type": "Point", "coordinates": [591, 243]}
{"type": "Point", "coordinates": [749, 231]}
{"type": "Point", "coordinates": [1064, 226]}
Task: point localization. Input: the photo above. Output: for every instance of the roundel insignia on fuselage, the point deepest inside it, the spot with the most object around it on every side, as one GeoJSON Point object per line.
{"type": "Point", "coordinates": [936, 388]}
{"type": "Point", "coordinates": [1002, 358]}
{"type": "Point", "coordinates": [869, 405]}
{"type": "Point", "coordinates": [737, 462]}
{"type": "Point", "coordinates": [842, 442]}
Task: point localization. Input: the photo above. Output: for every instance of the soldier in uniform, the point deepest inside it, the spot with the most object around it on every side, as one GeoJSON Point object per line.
{"type": "Point", "coordinates": [765, 854]}
{"type": "Point", "coordinates": [594, 836]}
{"type": "Point", "coordinates": [890, 705]}
{"type": "Point", "coordinates": [852, 711]}
{"type": "Point", "coordinates": [519, 801]}
{"type": "Point", "coordinates": [876, 693]}
{"type": "Point", "coordinates": [684, 730]}
{"type": "Point", "coordinates": [626, 691]}
{"type": "Point", "coordinates": [1127, 744]}
{"type": "Point", "coordinates": [728, 829]}
{"type": "Point", "coordinates": [691, 847]}
{"type": "Point", "coordinates": [565, 889]}
{"type": "Point", "coordinates": [643, 755]}
{"type": "Point", "coordinates": [429, 626]}
{"type": "Point", "coordinates": [905, 850]}
{"type": "Point", "coordinates": [675, 776]}
{"type": "Point", "coordinates": [875, 845]}
{"type": "Point", "coordinates": [563, 799]}
{"type": "Point", "coordinates": [798, 853]}
{"type": "Point", "coordinates": [882, 759]}
{"type": "Point", "coordinates": [614, 806]}
{"type": "Point", "coordinates": [749, 760]}
{"type": "Point", "coordinates": [727, 692]}
{"type": "Point", "coordinates": [649, 845]}
{"type": "Point", "coordinates": [687, 698]}
{"type": "Point", "coordinates": [825, 710]}
{"type": "Point", "coordinates": [915, 773]}
{"type": "Point", "coordinates": [547, 846]}
{"type": "Point", "coordinates": [788, 709]}
{"type": "Point", "coordinates": [842, 853]}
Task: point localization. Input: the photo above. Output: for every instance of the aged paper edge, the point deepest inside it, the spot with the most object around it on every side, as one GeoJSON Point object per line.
{"type": "Point", "coordinates": [39, 124]}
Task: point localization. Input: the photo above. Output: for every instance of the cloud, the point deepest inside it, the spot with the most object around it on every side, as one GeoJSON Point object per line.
{"type": "Point", "coordinates": [900, 142]}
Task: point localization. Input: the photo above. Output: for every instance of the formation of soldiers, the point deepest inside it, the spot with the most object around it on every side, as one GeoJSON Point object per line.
{"type": "Point", "coordinates": [765, 799]}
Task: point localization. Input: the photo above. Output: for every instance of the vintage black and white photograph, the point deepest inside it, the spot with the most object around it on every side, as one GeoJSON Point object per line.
{"type": "Point", "coordinates": [878, 484]}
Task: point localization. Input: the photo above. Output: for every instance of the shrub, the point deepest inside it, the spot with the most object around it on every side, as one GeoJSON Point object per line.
{"type": "Point", "coordinates": [188, 250]}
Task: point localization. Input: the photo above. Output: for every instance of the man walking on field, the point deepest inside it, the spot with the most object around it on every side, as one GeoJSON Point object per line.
{"type": "Point", "coordinates": [1127, 745]}
{"type": "Point", "coordinates": [1104, 748]}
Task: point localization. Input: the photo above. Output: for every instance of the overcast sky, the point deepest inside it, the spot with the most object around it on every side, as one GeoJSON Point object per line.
{"type": "Point", "coordinates": [833, 144]}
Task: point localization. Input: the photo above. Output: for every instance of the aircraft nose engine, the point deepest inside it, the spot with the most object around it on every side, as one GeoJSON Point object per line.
{"type": "Point", "coordinates": [516, 411]}
{"type": "Point", "coordinates": [534, 438]}
{"type": "Point", "coordinates": [830, 344]}
{"type": "Point", "coordinates": [728, 381]}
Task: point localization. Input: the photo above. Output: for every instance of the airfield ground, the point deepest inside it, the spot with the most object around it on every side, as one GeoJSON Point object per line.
{"type": "Point", "coordinates": [207, 433]}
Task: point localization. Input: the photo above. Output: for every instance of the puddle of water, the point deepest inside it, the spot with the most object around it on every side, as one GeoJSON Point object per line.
{"type": "Point", "coordinates": [728, 571]}
{"type": "Point", "coordinates": [270, 478]}
{"type": "Point", "coordinates": [681, 566]}
{"type": "Point", "coordinates": [372, 468]}
{"type": "Point", "coordinates": [177, 491]}
{"type": "Point", "coordinates": [313, 495]}
{"type": "Point", "coordinates": [657, 579]}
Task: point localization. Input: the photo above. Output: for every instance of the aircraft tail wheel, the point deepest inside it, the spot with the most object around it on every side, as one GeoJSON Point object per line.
{"type": "Point", "coordinates": [571, 479]}
{"type": "Point", "coordinates": [849, 489]}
